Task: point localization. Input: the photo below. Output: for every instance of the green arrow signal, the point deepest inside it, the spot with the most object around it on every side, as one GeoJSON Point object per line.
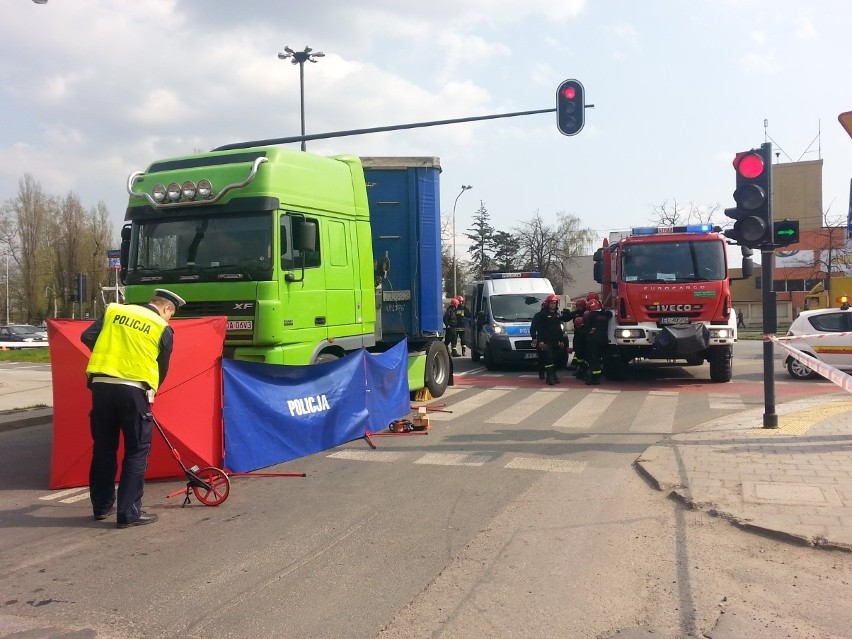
{"type": "Point", "coordinates": [786, 232]}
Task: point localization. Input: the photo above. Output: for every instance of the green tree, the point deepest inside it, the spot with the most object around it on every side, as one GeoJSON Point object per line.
{"type": "Point", "coordinates": [481, 236]}
{"type": "Point", "coordinates": [506, 249]}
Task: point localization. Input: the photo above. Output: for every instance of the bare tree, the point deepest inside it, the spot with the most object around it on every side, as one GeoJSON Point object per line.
{"type": "Point", "coordinates": [674, 214]}
{"type": "Point", "coordinates": [539, 246]}
{"type": "Point", "coordinates": [29, 213]}
{"type": "Point", "coordinates": [574, 241]}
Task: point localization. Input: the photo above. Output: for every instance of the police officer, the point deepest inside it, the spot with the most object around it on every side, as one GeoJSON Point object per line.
{"type": "Point", "coordinates": [549, 337]}
{"type": "Point", "coordinates": [595, 325]}
{"type": "Point", "coordinates": [451, 322]}
{"type": "Point", "coordinates": [131, 349]}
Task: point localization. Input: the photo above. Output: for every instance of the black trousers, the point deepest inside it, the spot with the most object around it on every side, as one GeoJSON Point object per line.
{"type": "Point", "coordinates": [450, 337]}
{"type": "Point", "coordinates": [123, 411]}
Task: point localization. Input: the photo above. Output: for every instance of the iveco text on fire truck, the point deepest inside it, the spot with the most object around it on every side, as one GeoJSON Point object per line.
{"type": "Point", "coordinates": [670, 295]}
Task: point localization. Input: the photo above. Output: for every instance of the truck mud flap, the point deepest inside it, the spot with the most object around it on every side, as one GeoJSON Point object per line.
{"type": "Point", "coordinates": [681, 341]}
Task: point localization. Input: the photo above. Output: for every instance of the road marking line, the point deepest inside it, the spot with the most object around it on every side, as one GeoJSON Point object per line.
{"type": "Point", "coordinates": [718, 401]}
{"type": "Point", "coordinates": [467, 405]}
{"type": "Point", "coordinates": [454, 459]}
{"type": "Point", "coordinates": [547, 465]}
{"type": "Point", "coordinates": [656, 415]}
{"type": "Point", "coordinates": [72, 500]}
{"type": "Point", "coordinates": [63, 493]}
{"type": "Point", "coordinates": [521, 410]}
{"type": "Point", "coordinates": [368, 455]}
{"type": "Point", "coordinates": [587, 410]}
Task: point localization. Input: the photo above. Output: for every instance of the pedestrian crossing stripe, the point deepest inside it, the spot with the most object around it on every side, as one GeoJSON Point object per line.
{"type": "Point", "coordinates": [547, 465]}
{"type": "Point", "coordinates": [454, 459]}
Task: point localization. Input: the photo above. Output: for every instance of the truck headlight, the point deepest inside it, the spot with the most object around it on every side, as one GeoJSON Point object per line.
{"type": "Point", "coordinates": [631, 333]}
{"type": "Point", "coordinates": [499, 329]}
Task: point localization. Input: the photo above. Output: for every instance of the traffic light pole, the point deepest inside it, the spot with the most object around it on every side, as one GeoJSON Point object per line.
{"type": "Point", "coordinates": [770, 326]}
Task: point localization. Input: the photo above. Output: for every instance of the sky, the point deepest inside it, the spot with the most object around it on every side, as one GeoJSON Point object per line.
{"type": "Point", "coordinates": [92, 90]}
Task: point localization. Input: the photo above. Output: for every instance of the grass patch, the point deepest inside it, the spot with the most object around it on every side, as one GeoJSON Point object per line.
{"type": "Point", "coordinates": [40, 354]}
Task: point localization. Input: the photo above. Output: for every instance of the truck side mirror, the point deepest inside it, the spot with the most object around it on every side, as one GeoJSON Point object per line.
{"type": "Point", "coordinates": [305, 237]}
{"type": "Point", "coordinates": [304, 240]}
{"type": "Point", "coordinates": [124, 255]}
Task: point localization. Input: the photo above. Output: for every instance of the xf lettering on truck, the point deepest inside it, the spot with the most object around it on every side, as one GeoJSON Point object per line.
{"type": "Point", "coordinates": [308, 405]}
{"type": "Point", "coordinates": [674, 308]}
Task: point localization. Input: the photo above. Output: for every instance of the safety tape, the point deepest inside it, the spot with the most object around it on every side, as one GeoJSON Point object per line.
{"type": "Point", "coordinates": [814, 336]}
{"type": "Point", "coordinates": [832, 374]}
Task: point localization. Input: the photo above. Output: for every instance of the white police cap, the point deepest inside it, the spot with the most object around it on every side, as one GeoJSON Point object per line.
{"type": "Point", "coordinates": [174, 298]}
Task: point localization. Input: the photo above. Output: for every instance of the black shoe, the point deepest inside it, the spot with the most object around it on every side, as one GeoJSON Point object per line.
{"type": "Point", "coordinates": [102, 516]}
{"type": "Point", "coordinates": [555, 379]}
{"type": "Point", "coordinates": [144, 518]}
{"type": "Point", "coordinates": [454, 354]}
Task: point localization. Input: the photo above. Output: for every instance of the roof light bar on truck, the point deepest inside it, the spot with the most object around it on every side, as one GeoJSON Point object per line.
{"type": "Point", "coordinates": [662, 230]}
{"type": "Point", "coordinates": [188, 193]}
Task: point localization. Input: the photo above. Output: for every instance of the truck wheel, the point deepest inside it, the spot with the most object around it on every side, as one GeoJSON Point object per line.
{"type": "Point", "coordinates": [490, 362]}
{"type": "Point", "coordinates": [721, 364]}
{"type": "Point", "coordinates": [326, 356]}
{"type": "Point", "coordinates": [437, 368]}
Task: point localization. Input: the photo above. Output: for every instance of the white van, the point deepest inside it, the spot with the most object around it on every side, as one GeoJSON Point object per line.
{"type": "Point", "coordinates": [501, 310]}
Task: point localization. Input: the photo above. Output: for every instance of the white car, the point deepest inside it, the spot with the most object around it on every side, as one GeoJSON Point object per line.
{"type": "Point", "coordinates": [827, 336]}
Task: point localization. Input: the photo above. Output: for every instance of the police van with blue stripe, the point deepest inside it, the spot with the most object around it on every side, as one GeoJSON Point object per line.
{"type": "Point", "coordinates": [502, 308]}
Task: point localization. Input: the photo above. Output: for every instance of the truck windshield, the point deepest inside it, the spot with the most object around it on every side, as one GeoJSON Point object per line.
{"type": "Point", "coordinates": [516, 308]}
{"type": "Point", "coordinates": [674, 262]}
{"type": "Point", "coordinates": [203, 248]}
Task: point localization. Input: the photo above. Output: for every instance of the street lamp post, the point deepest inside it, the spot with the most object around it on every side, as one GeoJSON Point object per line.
{"type": "Point", "coordinates": [300, 57]}
{"type": "Point", "coordinates": [464, 188]}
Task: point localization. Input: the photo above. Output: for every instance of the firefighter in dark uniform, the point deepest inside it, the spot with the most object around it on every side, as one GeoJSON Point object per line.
{"type": "Point", "coordinates": [451, 322]}
{"type": "Point", "coordinates": [549, 337]}
{"type": "Point", "coordinates": [462, 311]}
{"type": "Point", "coordinates": [131, 348]}
{"type": "Point", "coordinates": [596, 325]}
{"type": "Point", "coordinates": [534, 330]}
{"type": "Point", "coordinates": [578, 364]}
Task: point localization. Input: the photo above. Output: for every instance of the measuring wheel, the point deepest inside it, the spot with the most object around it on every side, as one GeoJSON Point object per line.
{"type": "Point", "coordinates": [217, 487]}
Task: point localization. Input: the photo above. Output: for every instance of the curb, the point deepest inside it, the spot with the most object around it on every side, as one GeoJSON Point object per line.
{"type": "Point", "coordinates": [25, 418]}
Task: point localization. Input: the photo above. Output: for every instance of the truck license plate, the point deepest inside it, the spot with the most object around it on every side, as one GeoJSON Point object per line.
{"type": "Point", "coordinates": [674, 320]}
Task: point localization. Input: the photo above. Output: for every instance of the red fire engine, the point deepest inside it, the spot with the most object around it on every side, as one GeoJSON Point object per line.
{"type": "Point", "coordinates": [670, 296]}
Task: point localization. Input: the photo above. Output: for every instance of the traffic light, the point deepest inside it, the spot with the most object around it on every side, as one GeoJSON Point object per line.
{"type": "Point", "coordinates": [570, 107]}
{"type": "Point", "coordinates": [785, 232]}
{"type": "Point", "coordinates": [753, 212]}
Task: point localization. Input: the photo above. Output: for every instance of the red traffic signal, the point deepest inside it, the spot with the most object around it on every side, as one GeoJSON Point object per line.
{"type": "Point", "coordinates": [753, 213]}
{"type": "Point", "coordinates": [570, 107]}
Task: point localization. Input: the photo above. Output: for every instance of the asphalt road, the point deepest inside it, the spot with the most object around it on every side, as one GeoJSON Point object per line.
{"type": "Point", "coordinates": [519, 514]}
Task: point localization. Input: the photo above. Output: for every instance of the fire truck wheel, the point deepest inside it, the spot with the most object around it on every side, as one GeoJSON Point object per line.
{"type": "Point", "coordinates": [721, 364]}
{"type": "Point", "coordinates": [437, 368]}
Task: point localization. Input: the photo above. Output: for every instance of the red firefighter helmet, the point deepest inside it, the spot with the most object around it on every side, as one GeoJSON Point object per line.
{"type": "Point", "coordinates": [593, 295]}
{"type": "Point", "coordinates": [552, 298]}
{"type": "Point", "coordinates": [578, 322]}
{"type": "Point", "coordinates": [594, 305]}
{"type": "Point", "coordinates": [580, 303]}
{"type": "Point", "coordinates": [454, 302]}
